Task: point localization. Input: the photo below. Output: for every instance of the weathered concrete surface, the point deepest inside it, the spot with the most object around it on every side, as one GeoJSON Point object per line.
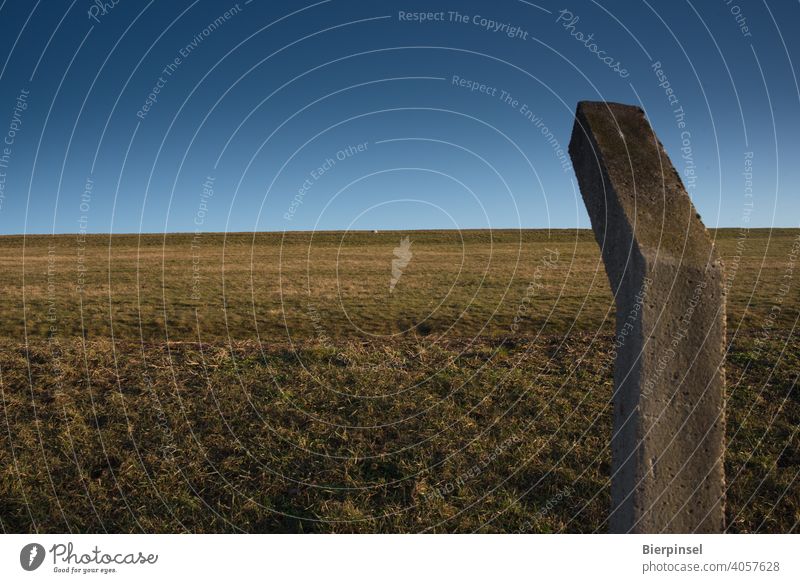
{"type": "Point", "coordinates": [668, 442]}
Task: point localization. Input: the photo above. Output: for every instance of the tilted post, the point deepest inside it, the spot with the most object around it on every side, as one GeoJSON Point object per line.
{"type": "Point", "coordinates": [669, 383]}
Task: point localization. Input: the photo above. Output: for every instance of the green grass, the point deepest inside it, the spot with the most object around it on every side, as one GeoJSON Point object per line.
{"type": "Point", "coordinates": [287, 390]}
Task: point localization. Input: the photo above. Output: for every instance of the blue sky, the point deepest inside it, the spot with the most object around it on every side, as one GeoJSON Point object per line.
{"type": "Point", "coordinates": [362, 115]}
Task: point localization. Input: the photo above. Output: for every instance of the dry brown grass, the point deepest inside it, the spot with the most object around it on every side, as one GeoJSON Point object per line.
{"type": "Point", "coordinates": [299, 395]}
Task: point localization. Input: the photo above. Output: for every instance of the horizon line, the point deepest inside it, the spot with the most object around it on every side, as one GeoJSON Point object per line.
{"type": "Point", "coordinates": [373, 231]}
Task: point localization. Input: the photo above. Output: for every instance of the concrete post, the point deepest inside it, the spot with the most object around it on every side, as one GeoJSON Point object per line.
{"type": "Point", "coordinates": [668, 443]}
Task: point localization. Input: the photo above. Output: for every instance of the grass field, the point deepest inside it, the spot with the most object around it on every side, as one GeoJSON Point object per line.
{"type": "Point", "coordinates": [273, 382]}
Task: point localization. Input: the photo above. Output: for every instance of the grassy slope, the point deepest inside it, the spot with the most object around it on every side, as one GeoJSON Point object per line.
{"type": "Point", "coordinates": [319, 401]}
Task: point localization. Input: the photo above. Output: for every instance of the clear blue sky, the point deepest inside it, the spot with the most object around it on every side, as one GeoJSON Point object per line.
{"type": "Point", "coordinates": [345, 114]}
